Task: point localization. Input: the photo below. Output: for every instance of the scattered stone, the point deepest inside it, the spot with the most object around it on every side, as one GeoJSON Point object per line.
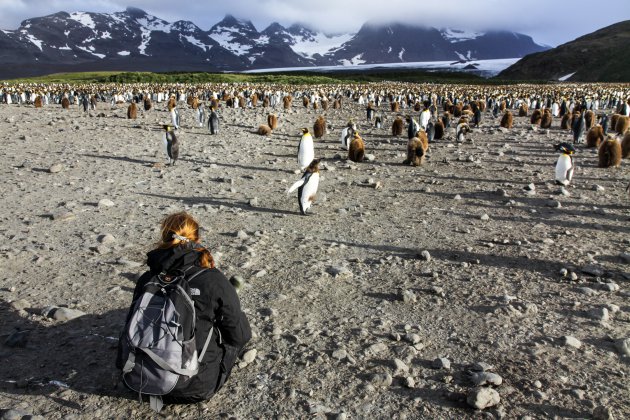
{"type": "Point", "coordinates": [63, 216]}
{"type": "Point", "coordinates": [599, 314]}
{"type": "Point", "coordinates": [623, 346]}
{"type": "Point", "coordinates": [20, 304]}
{"type": "Point", "coordinates": [106, 239]}
{"type": "Point", "coordinates": [409, 382]}
{"type": "Point", "coordinates": [55, 168]}
{"type": "Point", "coordinates": [553, 204]}
{"type": "Point", "coordinates": [382, 380]}
{"type": "Point", "coordinates": [564, 272]}
{"type": "Point", "coordinates": [609, 287]}
{"type": "Point", "coordinates": [238, 282]}
{"type": "Point", "coordinates": [625, 257]}
{"type": "Point", "coordinates": [481, 367]}
{"type": "Point", "coordinates": [485, 217]}
{"type": "Point", "coordinates": [61, 314]}
{"type": "Point", "coordinates": [412, 338]}
{"type": "Point", "coordinates": [253, 202]}
{"type": "Point", "coordinates": [400, 367]}
{"type": "Point", "coordinates": [339, 271]}
{"type": "Point", "coordinates": [486, 378]}
{"type": "Point", "coordinates": [530, 187]}
{"type": "Point", "coordinates": [441, 363]}
{"type": "Point", "coordinates": [425, 255]}
{"type": "Point", "coordinates": [570, 341]}
{"type": "Point", "coordinates": [339, 354]}
{"type": "Point", "coordinates": [457, 197]}
{"type": "Point", "coordinates": [598, 188]}
{"type": "Point", "coordinates": [249, 356]}
{"type": "Point", "coordinates": [408, 296]}
{"type": "Point", "coordinates": [483, 397]}
{"type": "Point", "coordinates": [377, 348]}
{"type": "Point", "coordinates": [241, 234]}
{"type": "Point", "coordinates": [15, 414]}
{"type": "Point", "coordinates": [105, 202]}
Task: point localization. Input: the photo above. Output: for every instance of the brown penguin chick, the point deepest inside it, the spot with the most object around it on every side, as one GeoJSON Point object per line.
{"type": "Point", "coordinates": [65, 103]}
{"type": "Point", "coordinates": [214, 104]}
{"type": "Point", "coordinates": [417, 107]}
{"type": "Point", "coordinates": [613, 121]}
{"type": "Point", "coordinates": [395, 106]}
{"type": "Point", "coordinates": [93, 102]}
{"type": "Point", "coordinates": [536, 117]}
{"type": "Point", "coordinates": [242, 103]}
{"type": "Point", "coordinates": [316, 105]}
{"type": "Point", "coordinates": [272, 121]}
{"type": "Point", "coordinates": [337, 104]}
{"type": "Point", "coordinates": [147, 104]}
{"type": "Point", "coordinates": [132, 111]}
{"type": "Point", "coordinates": [457, 110]}
{"type": "Point", "coordinates": [417, 149]}
{"type": "Point", "coordinates": [507, 120]}
{"type": "Point", "coordinates": [254, 100]}
{"type": "Point", "coordinates": [189, 100]}
{"type": "Point", "coordinates": [194, 103]}
{"type": "Point", "coordinates": [481, 105]}
{"type": "Point", "coordinates": [439, 129]}
{"type": "Point", "coordinates": [286, 102]}
{"type": "Point", "coordinates": [397, 126]}
{"type": "Point", "coordinates": [625, 146]}
{"type": "Point", "coordinates": [565, 122]}
{"type": "Point", "coordinates": [546, 119]}
{"type": "Point", "coordinates": [39, 102]}
{"type": "Point", "coordinates": [319, 128]}
{"type": "Point", "coordinates": [172, 103]}
{"type": "Point", "coordinates": [265, 102]}
{"type": "Point", "coordinates": [622, 125]}
{"type": "Point", "coordinates": [589, 119]}
{"type": "Point", "coordinates": [324, 104]}
{"type": "Point", "coordinates": [356, 151]}
{"type": "Point", "coordinates": [523, 110]}
{"type": "Point", "coordinates": [263, 130]}
{"type": "Point", "coordinates": [305, 101]}
{"type": "Point", "coordinates": [609, 153]}
{"type": "Point", "coordinates": [595, 136]}
{"type": "Point", "coordinates": [502, 106]}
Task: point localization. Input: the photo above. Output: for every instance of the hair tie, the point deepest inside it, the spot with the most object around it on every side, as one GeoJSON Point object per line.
{"type": "Point", "coordinates": [181, 238]}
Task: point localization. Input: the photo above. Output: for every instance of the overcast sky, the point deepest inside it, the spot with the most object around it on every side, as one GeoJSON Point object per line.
{"type": "Point", "coordinates": [548, 22]}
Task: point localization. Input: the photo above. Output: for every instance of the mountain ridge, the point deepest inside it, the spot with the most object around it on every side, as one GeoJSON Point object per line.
{"type": "Point", "coordinates": [135, 40]}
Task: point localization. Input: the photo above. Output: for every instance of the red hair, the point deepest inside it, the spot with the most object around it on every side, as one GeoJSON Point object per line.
{"type": "Point", "coordinates": [185, 226]}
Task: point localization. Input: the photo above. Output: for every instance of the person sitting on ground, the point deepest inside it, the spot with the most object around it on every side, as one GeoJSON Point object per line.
{"type": "Point", "coordinates": [215, 301]}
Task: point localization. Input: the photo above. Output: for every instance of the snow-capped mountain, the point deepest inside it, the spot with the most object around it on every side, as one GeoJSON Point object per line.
{"type": "Point", "coordinates": [135, 40]}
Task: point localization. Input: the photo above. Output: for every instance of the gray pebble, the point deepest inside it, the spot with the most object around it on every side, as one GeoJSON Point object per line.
{"type": "Point", "coordinates": [599, 314]}
{"type": "Point", "coordinates": [441, 363]}
{"type": "Point", "coordinates": [249, 356]}
{"type": "Point", "coordinates": [603, 413]}
{"type": "Point", "coordinates": [486, 378]}
{"type": "Point", "coordinates": [382, 380]}
{"type": "Point", "coordinates": [425, 255]}
{"type": "Point", "coordinates": [482, 397]}
{"type": "Point", "coordinates": [623, 346]}
{"type": "Point", "coordinates": [105, 202]}
{"type": "Point", "coordinates": [106, 239]}
{"type": "Point", "coordinates": [485, 217]}
{"type": "Point", "coordinates": [570, 341]}
{"type": "Point", "coordinates": [55, 168]}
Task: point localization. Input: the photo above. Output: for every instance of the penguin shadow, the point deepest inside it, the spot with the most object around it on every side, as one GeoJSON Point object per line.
{"type": "Point", "coordinates": [41, 359]}
{"type": "Point", "coordinates": [236, 165]}
{"type": "Point", "coordinates": [121, 158]}
{"type": "Point", "coordinates": [216, 202]}
{"type": "Point", "coordinates": [556, 411]}
{"type": "Point", "coordinates": [387, 250]}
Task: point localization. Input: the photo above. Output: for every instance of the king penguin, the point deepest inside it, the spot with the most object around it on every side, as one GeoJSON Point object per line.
{"type": "Point", "coordinates": [564, 166]}
{"type": "Point", "coordinates": [579, 126]}
{"type": "Point", "coordinates": [171, 144]}
{"type": "Point", "coordinates": [430, 131]}
{"type": "Point", "coordinates": [460, 132]}
{"type": "Point", "coordinates": [307, 187]}
{"type": "Point", "coordinates": [347, 133]}
{"type": "Point", "coordinates": [213, 122]}
{"type": "Point", "coordinates": [175, 117]}
{"type": "Point", "coordinates": [306, 152]}
{"type": "Point", "coordinates": [201, 114]}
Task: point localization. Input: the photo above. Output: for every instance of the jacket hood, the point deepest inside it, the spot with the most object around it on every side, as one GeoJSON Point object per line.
{"type": "Point", "coordinates": [166, 260]}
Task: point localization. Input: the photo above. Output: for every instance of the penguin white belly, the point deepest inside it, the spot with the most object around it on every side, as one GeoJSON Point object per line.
{"type": "Point", "coordinates": [564, 169]}
{"type": "Point", "coordinates": [306, 154]}
{"type": "Point", "coordinates": [308, 192]}
{"type": "Point", "coordinates": [174, 117]}
{"type": "Point", "coordinates": [344, 138]}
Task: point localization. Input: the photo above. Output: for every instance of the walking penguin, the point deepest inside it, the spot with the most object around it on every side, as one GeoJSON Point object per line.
{"type": "Point", "coordinates": [307, 187]}
{"type": "Point", "coordinates": [564, 166]}
{"type": "Point", "coordinates": [171, 144]}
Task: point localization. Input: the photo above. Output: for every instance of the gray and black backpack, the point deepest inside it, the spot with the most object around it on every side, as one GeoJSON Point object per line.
{"type": "Point", "coordinates": [157, 344]}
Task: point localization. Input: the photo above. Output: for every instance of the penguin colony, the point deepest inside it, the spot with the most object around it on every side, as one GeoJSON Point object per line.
{"type": "Point", "coordinates": [587, 125]}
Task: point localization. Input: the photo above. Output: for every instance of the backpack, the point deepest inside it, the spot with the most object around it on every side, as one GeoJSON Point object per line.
{"type": "Point", "coordinates": [157, 345]}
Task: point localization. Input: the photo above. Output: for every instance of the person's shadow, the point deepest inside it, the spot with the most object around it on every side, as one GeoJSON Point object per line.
{"type": "Point", "coordinates": [39, 356]}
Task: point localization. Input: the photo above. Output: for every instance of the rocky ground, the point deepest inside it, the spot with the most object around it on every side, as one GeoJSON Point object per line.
{"type": "Point", "coordinates": [410, 293]}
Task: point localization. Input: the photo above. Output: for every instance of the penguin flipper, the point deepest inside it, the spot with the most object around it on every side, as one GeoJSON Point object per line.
{"type": "Point", "coordinates": [295, 186]}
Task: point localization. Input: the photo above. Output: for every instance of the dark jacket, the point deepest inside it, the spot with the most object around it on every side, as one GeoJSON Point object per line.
{"type": "Point", "coordinates": [215, 304]}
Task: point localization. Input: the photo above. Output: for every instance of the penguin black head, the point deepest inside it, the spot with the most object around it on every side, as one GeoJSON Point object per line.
{"type": "Point", "coordinates": [304, 130]}
{"type": "Point", "coordinates": [565, 148]}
